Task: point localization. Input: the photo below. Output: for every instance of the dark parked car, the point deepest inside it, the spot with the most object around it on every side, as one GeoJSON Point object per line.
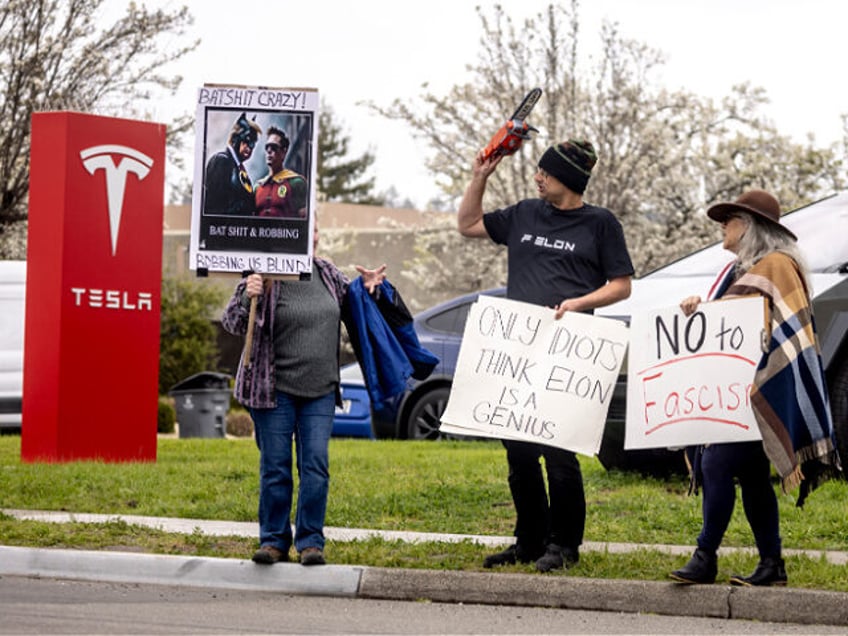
{"type": "Point", "coordinates": [821, 228]}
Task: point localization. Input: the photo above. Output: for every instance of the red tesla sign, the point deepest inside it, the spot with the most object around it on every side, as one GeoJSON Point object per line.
{"type": "Point", "coordinates": [94, 271]}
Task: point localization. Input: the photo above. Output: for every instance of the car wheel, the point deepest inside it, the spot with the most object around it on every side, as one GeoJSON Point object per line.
{"type": "Point", "coordinates": [839, 410]}
{"type": "Point", "coordinates": [426, 413]}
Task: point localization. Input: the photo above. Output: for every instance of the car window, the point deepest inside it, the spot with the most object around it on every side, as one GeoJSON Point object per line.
{"type": "Point", "coordinates": [820, 227]}
{"type": "Point", "coordinates": [451, 320]}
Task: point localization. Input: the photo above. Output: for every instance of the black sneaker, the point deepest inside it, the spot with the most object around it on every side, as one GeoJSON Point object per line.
{"type": "Point", "coordinates": [571, 556]}
{"type": "Point", "coordinates": [556, 557]}
{"type": "Point", "coordinates": [512, 555]}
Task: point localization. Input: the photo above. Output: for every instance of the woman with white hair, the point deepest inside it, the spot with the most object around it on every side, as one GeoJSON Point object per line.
{"type": "Point", "coordinates": [788, 396]}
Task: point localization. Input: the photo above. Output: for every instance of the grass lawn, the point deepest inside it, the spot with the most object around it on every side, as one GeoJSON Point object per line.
{"type": "Point", "coordinates": [454, 487]}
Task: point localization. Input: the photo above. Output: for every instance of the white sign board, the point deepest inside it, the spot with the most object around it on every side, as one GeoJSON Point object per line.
{"type": "Point", "coordinates": [255, 176]}
{"type": "Point", "coordinates": [523, 375]}
{"type": "Point", "coordinates": [689, 379]}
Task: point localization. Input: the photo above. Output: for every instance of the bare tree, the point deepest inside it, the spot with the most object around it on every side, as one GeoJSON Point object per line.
{"type": "Point", "coordinates": [663, 155]}
{"type": "Point", "coordinates": [57, 55]}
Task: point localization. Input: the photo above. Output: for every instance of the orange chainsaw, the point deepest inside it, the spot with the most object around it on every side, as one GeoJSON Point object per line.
{"type": "Point", "coordinates": [513, 133]}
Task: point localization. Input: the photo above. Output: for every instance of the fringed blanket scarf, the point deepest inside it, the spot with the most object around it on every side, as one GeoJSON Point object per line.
{"type": "Point", "coordinates": [789, 396]}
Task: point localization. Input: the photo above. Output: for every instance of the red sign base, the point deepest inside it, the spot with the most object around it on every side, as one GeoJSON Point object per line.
{"type": "Point", "coordinates": [94, 272]}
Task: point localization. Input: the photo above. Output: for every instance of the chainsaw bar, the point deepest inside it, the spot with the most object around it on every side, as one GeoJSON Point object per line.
{"type": "Point", "coordinates": [527, 104]}
{"type": "Point", "coordinates": [512, 134]}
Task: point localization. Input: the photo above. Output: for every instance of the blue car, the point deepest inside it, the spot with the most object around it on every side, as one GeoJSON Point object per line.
{"type": "Point", "coordinates": [414, 414]}
{"type": "Point", "coordinates": [353, 418]}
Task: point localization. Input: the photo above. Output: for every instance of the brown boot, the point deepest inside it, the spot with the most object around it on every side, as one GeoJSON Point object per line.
{"type": "Point", "coordinates": [312, 556]}
{"type": "Point", "coordinates": [268, 555]}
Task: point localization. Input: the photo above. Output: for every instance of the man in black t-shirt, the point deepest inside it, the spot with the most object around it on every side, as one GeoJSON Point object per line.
{"type": "Point", "coordinates": [569, 256]}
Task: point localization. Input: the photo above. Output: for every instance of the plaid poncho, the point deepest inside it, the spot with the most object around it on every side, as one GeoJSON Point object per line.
{"type": "Point", "coordinates": [789, 396]}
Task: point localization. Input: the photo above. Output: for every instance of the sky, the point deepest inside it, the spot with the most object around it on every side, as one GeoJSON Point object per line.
{"type": "Point", "coordinates": [379, 50]}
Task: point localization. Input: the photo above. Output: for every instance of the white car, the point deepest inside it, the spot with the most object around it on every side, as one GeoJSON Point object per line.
{"type": "Point", "coordinates": [822, 231]}
{"type": "Point", "coordinates": [12, 284]}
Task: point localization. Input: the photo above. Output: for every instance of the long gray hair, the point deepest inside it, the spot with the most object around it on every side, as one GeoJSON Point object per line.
{"type": "Point", "coordinates": [762, 238]}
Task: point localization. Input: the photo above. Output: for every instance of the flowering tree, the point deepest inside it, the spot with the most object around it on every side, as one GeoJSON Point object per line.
{"type": "Point", "coordinates": [664, 156]}
{"type": "Point", "coordinates": [60, 55]}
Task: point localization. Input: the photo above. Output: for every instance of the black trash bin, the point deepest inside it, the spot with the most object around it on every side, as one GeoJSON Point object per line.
{"type": "Point", "coordinates": [202, 401]}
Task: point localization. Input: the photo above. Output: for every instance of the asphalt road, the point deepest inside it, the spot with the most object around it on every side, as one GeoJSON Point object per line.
{"type": "Point", "coordinates": [131, 571]}
{"type": "Point", "coordinates": [39, 606]}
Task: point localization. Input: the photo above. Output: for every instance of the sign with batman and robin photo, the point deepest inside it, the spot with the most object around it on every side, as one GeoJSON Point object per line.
{"type": "Point", "coordinates": [254, 199]}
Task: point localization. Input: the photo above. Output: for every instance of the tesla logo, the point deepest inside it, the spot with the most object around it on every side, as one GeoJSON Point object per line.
{"type": "Point", "coordinates": [117, 161]}
{"type": "Point", "coordinates": [112, 299]}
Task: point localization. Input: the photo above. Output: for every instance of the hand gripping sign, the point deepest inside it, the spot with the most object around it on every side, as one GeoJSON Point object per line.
{"type": "Point", "coordinates": [523, 375]}
{"type": "Point", "coordinates": [689, 378]}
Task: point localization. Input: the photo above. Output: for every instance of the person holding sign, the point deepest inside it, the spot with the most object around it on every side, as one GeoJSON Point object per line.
{"type": "Point", "coordinates": [788, 397]}
{"type": "Point", "coordinates": [569, 256]}
{"type": "Point", "coordinates": [290, 388]}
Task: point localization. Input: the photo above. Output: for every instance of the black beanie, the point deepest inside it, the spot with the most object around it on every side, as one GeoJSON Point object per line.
{"type": "Point", "coordinates": [571, 163]}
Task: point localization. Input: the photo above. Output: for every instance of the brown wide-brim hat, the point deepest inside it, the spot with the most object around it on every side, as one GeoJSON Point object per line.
{"type": "Point", "coordinates": [758, 203]}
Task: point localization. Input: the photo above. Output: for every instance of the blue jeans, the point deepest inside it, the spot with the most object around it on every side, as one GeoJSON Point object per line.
{"type": "Point", "coordinates": [310, 422]}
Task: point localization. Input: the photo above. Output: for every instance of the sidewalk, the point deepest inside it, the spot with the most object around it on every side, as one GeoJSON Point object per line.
{"type": "Point", "coordinates": [716, 601]}
{"type": "Point", "coordinates": [250, 529]}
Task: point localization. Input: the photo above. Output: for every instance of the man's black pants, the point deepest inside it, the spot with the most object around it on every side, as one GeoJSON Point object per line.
{"type": "Point", "coordinates": [557, 515]}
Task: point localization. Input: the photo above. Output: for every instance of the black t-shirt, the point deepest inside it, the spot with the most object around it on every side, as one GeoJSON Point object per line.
{"type": "Point", "coordinates": [558, 254]}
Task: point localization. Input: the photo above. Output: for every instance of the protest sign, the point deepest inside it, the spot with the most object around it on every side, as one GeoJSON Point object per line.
{"type": "Point", "coordinates": [689, 379]}
{"type": "Point", "coordinates": [254, 198]}
{"type": "Point", "coordinates": [523, 375]}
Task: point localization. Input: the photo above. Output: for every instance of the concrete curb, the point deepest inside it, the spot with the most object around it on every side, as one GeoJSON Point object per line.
{"type": "Point", "coordinates": [161, 569]}
{"type": "Point", "coordinates": [777, 605]}
{"type": "Point", "coordinates": [782, 605]}
{"type": "Point", "coordinates": [546, 591]}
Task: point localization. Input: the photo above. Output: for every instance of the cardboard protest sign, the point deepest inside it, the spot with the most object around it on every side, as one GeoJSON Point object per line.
{"type": "Point", "coordinates": [523, 375]}
{"type": "Point", "coordinates": [689, 379]}
{"type": "Point", "coordinates": [254, 196]}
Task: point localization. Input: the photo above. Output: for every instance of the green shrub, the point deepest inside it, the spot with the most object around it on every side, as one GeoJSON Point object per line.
{"type": "Point", "coordinates": [167, 417]}
{"type": "Point", "coordinates": [188, 339]}
{"type": "Point", "coordinates": [239, 423]}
